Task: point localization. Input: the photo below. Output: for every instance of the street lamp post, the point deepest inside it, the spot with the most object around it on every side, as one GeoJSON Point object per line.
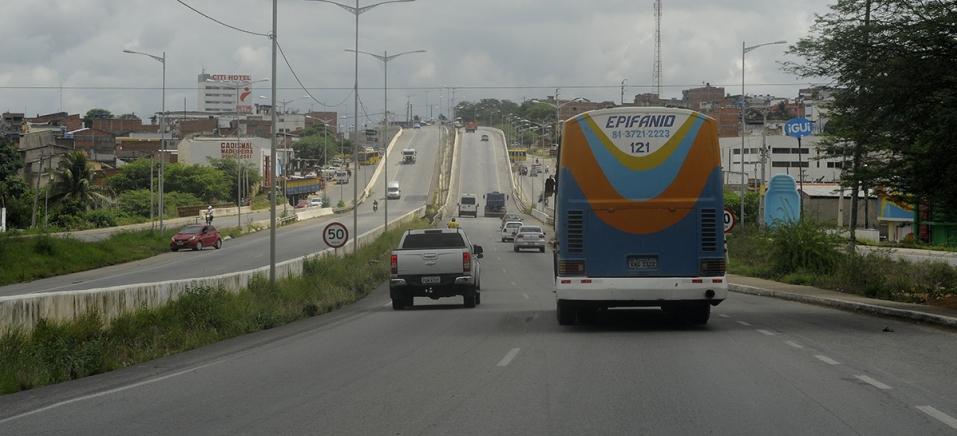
{"type": "Point", "coordinates": [745, 50]}
{"type": "Point", "coordinates": [355, 93]}
{"type": "Point", "coordinates": [385, 58]}
{"type": "Point", "coordinates": [162, 127]}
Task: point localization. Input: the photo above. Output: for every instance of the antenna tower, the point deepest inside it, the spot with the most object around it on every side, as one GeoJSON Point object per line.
{"type": "Point", "coordinates": [657, 68]}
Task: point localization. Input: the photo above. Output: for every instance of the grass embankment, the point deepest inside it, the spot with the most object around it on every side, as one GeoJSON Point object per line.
{"type": "Point", "coordinates": [806, 253]}
{"type": "Point", "coordinates": [27, 258]}
{"type": "Point", "coordinates": [57, 352]}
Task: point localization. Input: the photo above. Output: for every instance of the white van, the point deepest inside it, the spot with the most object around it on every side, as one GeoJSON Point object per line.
{"type": "Point", "coordinates": [468, 205]}
{"type": "Point", "coordinates": [342, 177]}
{"type": "Point", "coordinates": [393, 191]}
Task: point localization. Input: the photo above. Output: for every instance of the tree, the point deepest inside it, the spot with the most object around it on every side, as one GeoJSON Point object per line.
{"type": "Point", "coordinates": [128, 117]}
{"type": "Point", "coordinates": [134, 175]}
{"type": "Point", "coordinates": [73, 184]}
{"type": "Point", "coordinates": [10, 166]}
{"type": "Point", "coordinates": [206, 183]}
{"type": "Point", "coordinates": [95, 113]}
{"type": "Point", "coordinates": [894, 65]}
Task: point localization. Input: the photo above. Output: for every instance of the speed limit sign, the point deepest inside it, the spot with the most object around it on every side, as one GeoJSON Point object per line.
{"type": "Point", "coordinates": [335, 235]}
{"type": "Point", "coordinates": [729, 220]}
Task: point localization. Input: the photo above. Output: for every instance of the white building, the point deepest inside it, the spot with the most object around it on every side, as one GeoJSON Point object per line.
{"type": "Point", "coordinates": [225, 93]}
{"type": "Point", "coordinates": [782, 156]}
{"type": "Point", "coordinates": [254, 150]}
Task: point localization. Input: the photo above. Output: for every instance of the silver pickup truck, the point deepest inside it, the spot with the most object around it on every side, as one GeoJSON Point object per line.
{"type": "Point", "coordinates": [435, 263]}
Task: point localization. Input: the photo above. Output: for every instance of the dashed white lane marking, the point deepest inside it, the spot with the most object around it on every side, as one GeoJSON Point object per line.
{"type": "Point", "coordinates": [525, 295]}
{"type": "Point", "coordinates": [508, 357]}
{"type": "Point", "coordinates": [794, 344]}
{"type": "Point", "coordinates": [723, 315]}
{"type": "Point", "coordinates": [872, 382]}
{"type": "Point", "coordinates": [513, 284]}
{"type": "Point", "coordinates": [941, 416]}
{"type": "Point", "coordinates": [827, 360]}
{"type": "Point", "coordinates": [387, 304]}
{"type": "Point", "coordinates": [766, 332]}
{"type": "Point", "coordinates": [743, 323]}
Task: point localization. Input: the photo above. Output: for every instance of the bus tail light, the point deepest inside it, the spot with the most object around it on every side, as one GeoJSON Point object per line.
{"type": "Point", "coordinates": [571, 267]}
{"type": "Point", "coordinates": [394, 265]}
{"type": "Point", "coordinates": [712, 267]}
{"type": "Point", "coordinates": [466, 261]}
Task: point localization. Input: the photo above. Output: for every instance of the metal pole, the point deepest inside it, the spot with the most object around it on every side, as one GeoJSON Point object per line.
{"type": "Point", "coordinates": [272, 161]}
{"type": "Point", "coordinates": [385, 139]}
{"type": "Point", "coordinates": [355, 139]}
{"type": "Point", "coordinates": [239, 195]}
{"type": "Point", "coordinates": [743, 126]}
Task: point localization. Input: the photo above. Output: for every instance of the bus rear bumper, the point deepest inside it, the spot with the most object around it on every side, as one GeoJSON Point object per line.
{"type": "Point", "coordinates": [637, 292]}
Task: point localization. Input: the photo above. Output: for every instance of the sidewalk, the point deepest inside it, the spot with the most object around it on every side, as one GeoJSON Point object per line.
{"type": "Point", "coordinates": [807, 294]}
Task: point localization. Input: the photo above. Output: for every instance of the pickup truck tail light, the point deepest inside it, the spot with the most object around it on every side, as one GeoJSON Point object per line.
{"type": "Point", "coordinates": [466, 262]}
{"type": "Point", "coordinates": [394, 265]}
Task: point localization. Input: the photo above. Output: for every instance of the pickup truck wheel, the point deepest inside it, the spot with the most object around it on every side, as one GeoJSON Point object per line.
{"type": "Point", "coordinates": [409, 301]}
{"type": "Point", "coordinates": [469, 298]}
{"type": "Point", "coordinates": [478, 298]}
{"type": "Point", "coordinates": [542, 249]}
{"type": "Point", "coordinates": [398, 304]}
{"type": "Point", "coordinates": [516, 249]}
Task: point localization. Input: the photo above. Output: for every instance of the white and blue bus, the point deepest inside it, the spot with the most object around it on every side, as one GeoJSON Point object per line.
{"type": "Point", "coordinates": [639, 214]}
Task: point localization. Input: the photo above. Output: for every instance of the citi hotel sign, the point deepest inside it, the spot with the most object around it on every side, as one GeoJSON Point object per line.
{"type": "Point", "coordinates": [243, 93]}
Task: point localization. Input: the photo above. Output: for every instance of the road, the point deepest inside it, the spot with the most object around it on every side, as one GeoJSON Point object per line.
{"type": "Point", "coordinates": [760, 366]}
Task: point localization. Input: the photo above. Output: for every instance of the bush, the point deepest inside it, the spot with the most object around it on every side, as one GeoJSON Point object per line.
{"type": "Point", "coordinates": [804, 245]}
{"type": "Point", "coordinates": [101, 218]}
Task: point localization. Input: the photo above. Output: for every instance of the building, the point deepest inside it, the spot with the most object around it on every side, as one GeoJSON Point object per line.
{"type": "Point", "coordinates": [225, 93]}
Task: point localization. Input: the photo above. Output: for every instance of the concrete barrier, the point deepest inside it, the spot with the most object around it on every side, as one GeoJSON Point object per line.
{"type": "Point", "coordinates": [24, 311]}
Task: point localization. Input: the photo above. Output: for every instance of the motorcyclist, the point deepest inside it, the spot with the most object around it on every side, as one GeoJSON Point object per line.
{"type": "Point", "coordinates": [209, 215]}
{"type": "Point", "coordinates": [375, 205]}
{"type": "Point", "coordinates": [453, 224]}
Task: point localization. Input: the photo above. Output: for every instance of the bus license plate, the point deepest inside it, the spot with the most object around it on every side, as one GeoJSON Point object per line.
{"type": "Point", "coordinates": [431, 279]}
{"type": "Point", "coordinates": [642, 262]}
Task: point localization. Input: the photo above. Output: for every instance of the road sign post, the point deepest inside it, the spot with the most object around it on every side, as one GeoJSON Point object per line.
{"type": "Point", "coordinates": [797, 128]}
{"type": "Point", "coordinates": [729, 220]}
{"type": "Point", "coordinates": [335, 235]}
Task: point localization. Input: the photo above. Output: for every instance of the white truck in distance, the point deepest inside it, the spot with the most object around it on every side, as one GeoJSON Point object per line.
{"type": "Point", "coordinates": [408, 156]}
{"type": "Point", "coordinates": [435, 263]}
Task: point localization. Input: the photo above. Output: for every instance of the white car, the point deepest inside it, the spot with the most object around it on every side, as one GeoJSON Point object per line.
{"type": "Point", "coordinates": [509, 229]}
{"type": "Point", "coordinates": [315, 202]}
{"type": "Point", "coordinates": [529, 237]}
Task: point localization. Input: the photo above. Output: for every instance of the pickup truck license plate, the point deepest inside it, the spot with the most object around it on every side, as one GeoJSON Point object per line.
{"type": "Point", "coordinates": [645, 262]}
{"type": "Point", "coordinates": [431, 279]}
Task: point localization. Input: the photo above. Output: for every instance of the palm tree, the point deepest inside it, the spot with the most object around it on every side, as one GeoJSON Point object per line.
{"type": "Point", "coordinates": [74, 182]}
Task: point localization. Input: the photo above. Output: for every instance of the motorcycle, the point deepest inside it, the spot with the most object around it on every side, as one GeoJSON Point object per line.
{"type": "Point", "coordinates": [375, 206]}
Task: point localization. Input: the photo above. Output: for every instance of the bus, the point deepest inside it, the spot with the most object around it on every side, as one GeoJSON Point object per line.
{"type": "Point", "coordinates": [639, 214]}
{"type": "Point", "coordinates": [368, 157]}
{"type": "Point", "coordinates": [517, 154]}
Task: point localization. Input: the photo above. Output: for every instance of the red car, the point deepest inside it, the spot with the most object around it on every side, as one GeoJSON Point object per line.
{"type": "Point", "coordinates": [196, 237]}
{"type": "Point", "coordinates": [302, 204]}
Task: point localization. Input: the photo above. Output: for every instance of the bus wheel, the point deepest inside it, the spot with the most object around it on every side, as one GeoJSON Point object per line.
{"type": "Point", "coordinates": [698, 313]}
{"type": "Point", "coordinates": [566, 313]}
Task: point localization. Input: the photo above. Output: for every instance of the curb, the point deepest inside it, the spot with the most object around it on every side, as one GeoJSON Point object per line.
{"type": "Point", "coordinates": [910, 315]}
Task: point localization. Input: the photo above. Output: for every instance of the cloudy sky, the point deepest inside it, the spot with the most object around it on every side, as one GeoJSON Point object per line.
{"type": "Point", "coordinates": [67, 55]}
